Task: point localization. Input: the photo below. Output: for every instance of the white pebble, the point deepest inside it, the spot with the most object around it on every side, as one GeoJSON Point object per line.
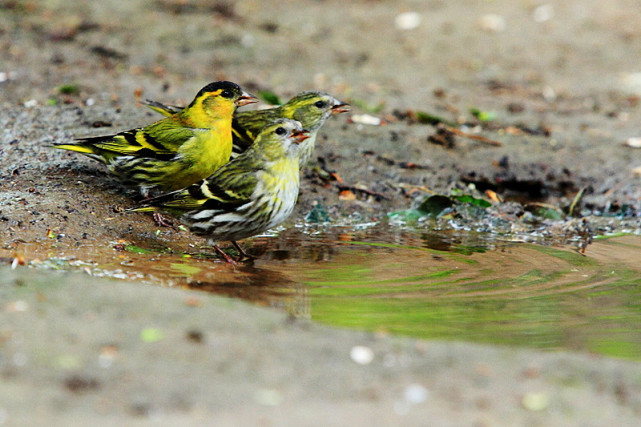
{"type": "Point", "coordinates": [18, 305]}
{"type": "Point", "coordinates": [362, 355]}
{"type": "Point", "coordinates": [492, 22]}
{"type": "Point", "coordinates": [31, 103]}
{"type": "Point", "coordinates": [415, 393]}
{"type": "Point", "coordinates": [543, 13]}
{"type": "Point", "coordinates": [631, 82]}
{"type": "Point", "coordinates": [366, 119]}
{"type": "Point", "coordinates": [4, 76]}
{"type": "Point", "coordinates": [536, 401]}
{"type": "Point", "coordinates": [407, 21]}
{"type": "Point", "coordinates": [247, 40]}
{"type": "Point", "coordinates": [89, 102]}
{"type": "Point", "coordinates": [549, 94]}
{"type": "Point", "coordinates": [633, 142]}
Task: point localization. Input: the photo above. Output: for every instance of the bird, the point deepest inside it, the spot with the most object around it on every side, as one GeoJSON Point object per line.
{"type": "Point", "coordinates": [175, 152]}
{"type": "Point", "coordinates": [310, 108]}
{"type": "Point", "coordinates": [254, 192]}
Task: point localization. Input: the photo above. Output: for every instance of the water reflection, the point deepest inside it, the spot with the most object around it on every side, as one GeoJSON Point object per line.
{"type": "Point", "coordinates": [263, 287]}
{"type": "Point", "coordinates": [445, 285]}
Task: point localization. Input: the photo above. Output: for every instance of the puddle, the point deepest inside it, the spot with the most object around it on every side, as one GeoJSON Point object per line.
{"type": "Point", "coordinates": [429, 285]}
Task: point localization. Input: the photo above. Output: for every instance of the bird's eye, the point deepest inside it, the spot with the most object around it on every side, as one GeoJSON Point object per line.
{"type": "Point", "coordinates": [226, 94]}
{"type": "Point", "coordinates": [280, 131]}
{"type": "Point", "coordinates": [320, 104]}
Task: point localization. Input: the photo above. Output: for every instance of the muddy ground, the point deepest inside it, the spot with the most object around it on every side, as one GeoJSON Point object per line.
{"type": "Point", "coordinates": [560, 80]}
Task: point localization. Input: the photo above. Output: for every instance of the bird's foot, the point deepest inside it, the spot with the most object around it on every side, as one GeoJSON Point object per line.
{"type": "Point", "coordinates": [161, 221]}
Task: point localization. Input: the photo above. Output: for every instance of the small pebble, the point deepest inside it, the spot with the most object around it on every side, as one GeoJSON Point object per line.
{"type": "Point", "coordinates": [535, 401]}
{"type": "Point", "coordinates": [543, 13]}
{"type": "Point", "coordinates": [631, 82]}
{"type": "Point", "coordinates": [549, 94]}
{"type": "Point", "coordinates": [366, 119]}
{"type": "Point", "coordinates": [633, 142]}
{"type": "Point", "coordinates": [407, 21]}
{"type": "Point", "coordinates": [361, 355]}
{"type": "Point", "coordinates": [493, 23]}
{"type": "Point", "coordinates": [416, 393]}
{"type": "Point", "coordinates": [17, 306]}
{"type": "Point", "coordinates": [107, 356]}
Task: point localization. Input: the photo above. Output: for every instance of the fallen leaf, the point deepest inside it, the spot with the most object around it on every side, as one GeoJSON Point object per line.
{"type": "Point", "coordinates": [346, 195]}
{"type": "Point", "coordinates": [493, 196]}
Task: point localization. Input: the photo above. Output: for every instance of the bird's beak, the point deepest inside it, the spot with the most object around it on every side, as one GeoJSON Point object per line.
{"type": "Point", "coordinates": [340, 108]}
{"type": "Point", "coordinates": [300, 135]}
{"type": "Point", "coordinates": [245, 99]}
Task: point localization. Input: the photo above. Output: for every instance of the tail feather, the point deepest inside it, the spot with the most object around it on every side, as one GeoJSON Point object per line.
{"type": "Point", "coordinates": [165, 110]}
{"type": "Point", "coordinates": [76, 147]}
{"type": "Point", "coordinates": [143, 209]}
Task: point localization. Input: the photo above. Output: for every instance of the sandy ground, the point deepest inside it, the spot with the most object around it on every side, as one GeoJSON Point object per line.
{"type": "Point", "coordinates": [561, 78]}
{"type": "Point", "coordinates": [114, 353]}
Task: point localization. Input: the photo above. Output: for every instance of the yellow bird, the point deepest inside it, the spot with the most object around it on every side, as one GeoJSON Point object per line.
{"type": "Point", "coordinates": [174, 152]}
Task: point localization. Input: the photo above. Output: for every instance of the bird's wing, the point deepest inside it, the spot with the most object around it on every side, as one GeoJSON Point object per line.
{"type": "Point", "coordinates": [159, 140]}
{"type": "Point", "coordinates": [246, 125]}
{"type": "Point", "coordinates": [228, 188]}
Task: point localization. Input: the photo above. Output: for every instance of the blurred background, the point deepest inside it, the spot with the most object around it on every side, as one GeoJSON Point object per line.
{"type": "Point", "coordinates": [378, 52]}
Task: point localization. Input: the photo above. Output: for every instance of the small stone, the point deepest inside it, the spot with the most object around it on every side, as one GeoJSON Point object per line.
{"type": "Point", "coordinates": [362, 355]}
{"type": "Point", "coordinates": [407, 20]}
{"type": "Point", "coordinates": [543, 13]}
{"type": "Point", "coordinates": [535, 401]}
{"type": "Point", "coordinates": [492, 23]}
{"type": "Point", "coordinates": [416, 393]}
{"type": "Point", "coordinates": [366, 119]}
{"type": "Point", "coordinates": [633, 142]}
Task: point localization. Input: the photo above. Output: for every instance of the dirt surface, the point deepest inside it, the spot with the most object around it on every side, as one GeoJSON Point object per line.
{"type": "Point", "coordinates": [117, 353]}
{"type": "Point", "coordinates": [560, 79]}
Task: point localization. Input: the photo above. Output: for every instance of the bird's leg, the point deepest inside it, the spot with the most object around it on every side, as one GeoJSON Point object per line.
{"type": "Point", "coordinates": [161, 221]}
{"type": "Point", "coordinates": [226, 257]}
{"type": "Point", "coordinates": [243, 254]}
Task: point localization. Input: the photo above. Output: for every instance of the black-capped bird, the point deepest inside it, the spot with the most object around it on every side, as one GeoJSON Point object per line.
{"type": "Point", "coordinates": [311, 109]}
{"type": "Point", "coordinates": [177, 151]}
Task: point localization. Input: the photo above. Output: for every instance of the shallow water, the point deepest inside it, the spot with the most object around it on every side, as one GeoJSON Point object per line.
{"type": "Point", "coordinates": [422, 284]}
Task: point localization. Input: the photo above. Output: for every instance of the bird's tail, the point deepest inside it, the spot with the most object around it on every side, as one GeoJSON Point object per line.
{"type": "Point", "coordinates": [160, 108]}
{"type": "Point", "coordinates": [75, 147]}
{"type": "Point", "coordinates": [143, 209]}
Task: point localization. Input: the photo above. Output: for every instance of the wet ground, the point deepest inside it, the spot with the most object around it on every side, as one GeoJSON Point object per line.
{"type": "Point", "coordinates": [553, 91]}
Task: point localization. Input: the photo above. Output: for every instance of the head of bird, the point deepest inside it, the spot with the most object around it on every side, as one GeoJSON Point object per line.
{"type": "Point", "coordinates": [222, 97]}
{"type": "Point", "coordinates": [312, 108]}
{"type": "Point", "coordinates": [281, 137]}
